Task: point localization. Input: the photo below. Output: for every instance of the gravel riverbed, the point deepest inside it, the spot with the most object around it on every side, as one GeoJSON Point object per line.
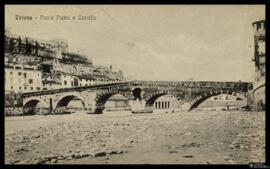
{"type": "Point", "coordinates": [195, 137]}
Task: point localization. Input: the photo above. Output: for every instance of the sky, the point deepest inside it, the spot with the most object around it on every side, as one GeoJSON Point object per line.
{"type": "Point", "coordinates": [152, 42]}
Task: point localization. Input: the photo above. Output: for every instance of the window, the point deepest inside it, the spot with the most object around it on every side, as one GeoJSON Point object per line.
{"type": "Point", "coordinates": [32, 88]}
{"type": "Point", "coordinates": [24, 75]}
{"type": "Point", "coordinates": [11, 73]}
{"type": "Point", "coordinates": [258, 26]}
{"type": "Point", "coordinates": [20, 87]}
{"type": "Point", "coordinates": [38, 88]}
{"type": "Point", "coordinates": [30, 81]}
{"type": "Point", "coordinates": [65, 82]}
{"type": "Point", "coordinates": [11, 87]}
{"type": "Point", "coordinates": [19, 73]}
{"type": "Point", "coordinates": [25, 88]}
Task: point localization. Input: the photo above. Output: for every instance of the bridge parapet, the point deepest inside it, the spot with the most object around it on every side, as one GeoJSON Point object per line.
{"type": "Point", "coordinates": [78, 89]}
{"type": "Point", "coordinates": [191, 84]}
{"type": "Point", "coordinates": [150, 84]}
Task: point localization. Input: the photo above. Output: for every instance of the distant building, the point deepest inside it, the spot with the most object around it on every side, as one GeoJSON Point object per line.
{"type": "Point", "coordinates": [86, 81]}
{"type": "Point", "coordinates": [259, 52]}
{"type": "Point", "coordinates": [33, 64]}
{"type": "Point", "coordinates": [22, 78]}
{"type": "Point", "coordinates": [46, 49]}
{"type": "Point", "coordinates": [166, 102]}
{"type": "Point", "coordinates": [259, 62]}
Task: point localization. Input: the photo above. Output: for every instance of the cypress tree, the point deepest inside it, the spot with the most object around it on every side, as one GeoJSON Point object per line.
{"type": "Point", "coordinates": [30, 48]}
{"type": "Point", "coordinates": [26, 46]}
{"type": "Point", "coordinates": [11, 45]}
{"type": "Point", "coordinates": [36, 53]}
{"type": "Point", "coordinates": [20, 45]}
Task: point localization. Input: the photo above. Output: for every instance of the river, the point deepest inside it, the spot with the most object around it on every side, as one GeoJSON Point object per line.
{"type": "Point", "coordinates": [162, 137]}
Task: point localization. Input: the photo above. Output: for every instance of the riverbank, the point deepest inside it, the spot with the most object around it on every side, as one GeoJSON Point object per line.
{"type": "Point", "coordinates": [196, 137]}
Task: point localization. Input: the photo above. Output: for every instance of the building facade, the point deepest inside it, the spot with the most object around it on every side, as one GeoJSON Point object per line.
{"type": "Point", "coordinates": [21, 78]}
{"type": "Point", "coordinates": [35, 64]}
{"type": "Point", "coordinates": [258, 92]}
{"type": "Point", "coordinates": [50, 64]}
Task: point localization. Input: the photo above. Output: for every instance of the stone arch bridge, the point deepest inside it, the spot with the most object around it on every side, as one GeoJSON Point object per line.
{"type": "Point", "coordinates": [143, 92]}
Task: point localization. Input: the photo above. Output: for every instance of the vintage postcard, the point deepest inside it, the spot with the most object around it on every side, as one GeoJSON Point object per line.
{"type": "Point", "coordinates": [135, 84]}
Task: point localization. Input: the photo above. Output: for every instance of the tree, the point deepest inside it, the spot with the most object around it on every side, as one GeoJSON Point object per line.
{"type": "Point", "coordinates": [30, 48]}
{"type": "Point", "coordinates": [26, 46]}
{"type": "Point", "coordinates": [20, 44]}
{"type": "Point", "coordinates": [11, 45]}
{"type": "Point", "coordinates": [36, 48]}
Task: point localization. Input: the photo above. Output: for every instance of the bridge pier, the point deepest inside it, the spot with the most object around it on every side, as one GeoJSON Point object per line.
{"type": "Point", "coordinates": [50, 106]}
{"type": "Point", "coordinates": [94, 107]}
{"type": "Point", "coordinates": [95, 110]}
{"type": "Point", "coordinates": [59, 110]}
{"type": "Point", "coordinates": [140, 106]}
{"type": "Point", "coordinates": [29, 111]}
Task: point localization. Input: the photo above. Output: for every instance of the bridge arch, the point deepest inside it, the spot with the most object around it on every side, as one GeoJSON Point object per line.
{"type": "Point", "coordinates": [30, 106]}
{"type": "Point", "coordinates": [137, 93]}
{"type": "Point", "coordinates": [201, 98]}
{"type": "Point", "coordinates": [63, 101]}
{"type": "Point", "coordinates": [151, 100]}
{"type": "Point", "coordinates": [102, 98]}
